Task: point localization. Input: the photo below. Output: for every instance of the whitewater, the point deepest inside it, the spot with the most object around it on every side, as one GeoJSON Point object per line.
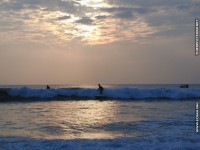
{"type": "Point", "coordinates": [130, 117]}
{"type": "Point", "coordinates": [110, 92]}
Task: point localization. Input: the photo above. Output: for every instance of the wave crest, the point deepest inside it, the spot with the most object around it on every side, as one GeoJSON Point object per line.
{"type": "Point", "coordinates": [115, 93]}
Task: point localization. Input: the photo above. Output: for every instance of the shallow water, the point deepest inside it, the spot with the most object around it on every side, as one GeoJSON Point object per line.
{"type": "Point", "coordinates": [92, 119]}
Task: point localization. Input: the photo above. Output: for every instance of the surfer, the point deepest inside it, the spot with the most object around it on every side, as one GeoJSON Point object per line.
{"type": "Point", "coordinates": [48, 87]}
{"type": "Point", "coordinates": [184, 86]}
{"type": "Point", "coordinates": [100, 89]}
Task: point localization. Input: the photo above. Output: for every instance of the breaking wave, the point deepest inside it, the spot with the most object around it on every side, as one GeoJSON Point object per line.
{"type": "Point", "coordinates": [111, 92]}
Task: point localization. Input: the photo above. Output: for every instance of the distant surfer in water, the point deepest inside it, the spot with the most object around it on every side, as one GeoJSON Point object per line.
{"type": "Point", "coordinates": [184, 86]}
{"type": "Point", "coordinates": [100, 89]}
{"type": "Point", "coordinates": [48, 87]}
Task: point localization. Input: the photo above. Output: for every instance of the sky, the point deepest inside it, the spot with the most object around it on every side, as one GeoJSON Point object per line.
{"type": "Point", "coordinates": [98, 41]}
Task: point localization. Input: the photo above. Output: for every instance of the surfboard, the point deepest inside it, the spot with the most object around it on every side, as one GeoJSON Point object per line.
{"type": "Point", "coordinates": [99, 97]}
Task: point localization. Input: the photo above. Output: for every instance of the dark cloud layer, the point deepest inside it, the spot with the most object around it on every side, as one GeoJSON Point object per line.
{"type": "Point", "coordinates": [125, 14]}
{"type": "Point", "coordinates": [101, 17]}
{"type": "Point", "coordinates": [64, 18]}
{"type": "Point", "coordinates": [85, 20]}
{"type": "Point", "coordinates": [139, 10]}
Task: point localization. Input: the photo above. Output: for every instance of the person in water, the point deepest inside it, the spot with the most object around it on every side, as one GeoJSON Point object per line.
{"type": "Point", "coordinates": [100, 89]}
{"type": "Point", "coordinates": [48, 87]}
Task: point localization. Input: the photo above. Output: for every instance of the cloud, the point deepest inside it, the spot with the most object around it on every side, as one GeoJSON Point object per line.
{"type": "Point", "coordinates": [85, 20]}
{"type": "Point", "coordinates": [142, 10]}
{"type": "Point", "coordinates": [101, 17]}
{"type": "Point", "coordinates": [63, 17]}
{"type": "Point", "coordinates": [125, 14]}
{"type": "Point", "coordinates": [183, 7]}
{"type": "Point", "coordinates": [113, 30]}
{"type": "Point", "coordinates": [20, 5]}
{"type": "Point", "coordinates": [90, 21]}
{"type": "Point", "coordinates": [115, 9]}
{"type": "Point", "coordinates": [146, 3]}
{"type": "Point", "coordinates": [91, 25]}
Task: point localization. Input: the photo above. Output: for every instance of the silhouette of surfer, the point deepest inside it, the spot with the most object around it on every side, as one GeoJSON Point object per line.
{"type": "Point", "coordinates": [184, 86]}
{"type": "Point", "coordinates": [48, 87]}
{"type": "Point", "coordinates": [100, 89]}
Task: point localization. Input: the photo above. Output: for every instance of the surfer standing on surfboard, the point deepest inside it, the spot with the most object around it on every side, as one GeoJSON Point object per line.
{"type": "Point", "coordinates": [100, 89]}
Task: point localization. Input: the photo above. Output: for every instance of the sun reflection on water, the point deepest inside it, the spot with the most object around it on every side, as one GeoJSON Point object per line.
{"type": "Point", "coordinates": [69, 120]}
{"type": "Point", "coordinates": [90, 119]}
{"type": "Point", "coordinates": [89, 116]}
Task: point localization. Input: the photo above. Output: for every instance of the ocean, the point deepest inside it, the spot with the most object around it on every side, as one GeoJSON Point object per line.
{"type": "Point", "coordinates": [72, 118]}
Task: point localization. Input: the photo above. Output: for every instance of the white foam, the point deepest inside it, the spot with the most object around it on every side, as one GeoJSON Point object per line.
{"type": "Point", "coordinates": [118, 93]}
{"type": "Point", "coordinates": [98, 144]}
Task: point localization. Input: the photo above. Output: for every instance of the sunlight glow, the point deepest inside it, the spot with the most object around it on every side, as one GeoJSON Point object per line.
{"type": "Point", "coordinates": [86, 30]}
{"type": "Point", "coordinates": [93, 3]}
{"type": "Point", "coordinates": [86, 23]}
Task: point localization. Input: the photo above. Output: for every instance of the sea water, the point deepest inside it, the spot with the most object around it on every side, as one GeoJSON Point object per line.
{"type": "Point", "coordinates": [154, 123]}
